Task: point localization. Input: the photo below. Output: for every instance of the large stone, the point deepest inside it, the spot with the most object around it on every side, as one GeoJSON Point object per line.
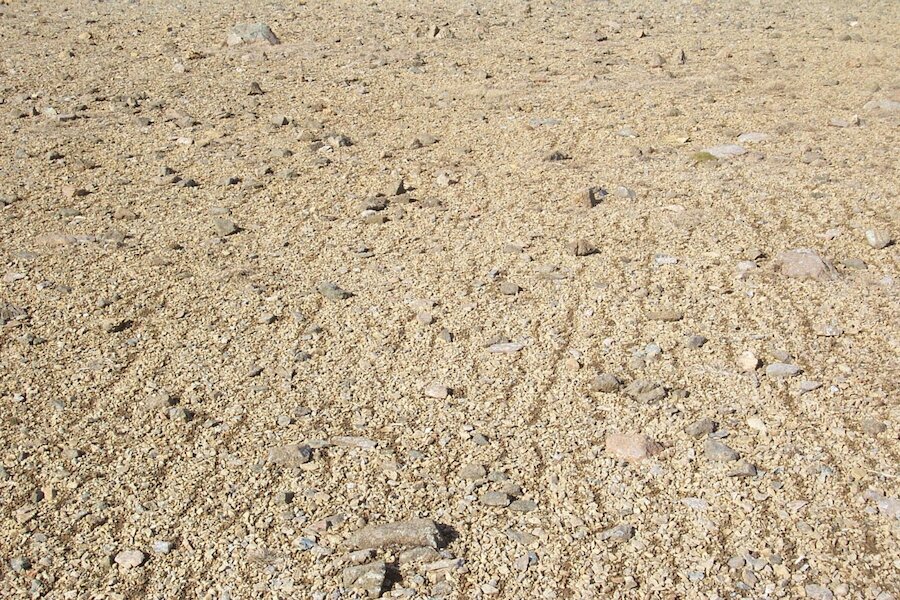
{"type": "Point", "coordinates": [406, 534]}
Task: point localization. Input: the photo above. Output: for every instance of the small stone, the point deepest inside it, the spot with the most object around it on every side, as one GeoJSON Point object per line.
{"type": "Point", "coordinates": [717, 451]}
{"type": "Point", "coordinates": [19, 564]}
{"type": "Point", "coordinates": [701, 427]}
{"type": "Point", "coordinates": [803, 263]}
{"type": "Point", "coordinates": [225, 227]}
{"type": "Point", "coordinates": [523, 505]}
{"type": "Point", "coordinates": [781, 370]}
{"type": "Point", "coordinates": [878, 238]}
{"type": "Point", "coordinates": [818, 592]}
{"type": "Point", "coordinates": [129, 559]}
{"type": "Point", "coordinates": [747, 362]}
{"type": "Point", "coordinates": [279, 120]}
{"type": "Point", "coordinates": [472, 472]}
{"type": "Point", "coordinates": [666, 315]}
{"type": "Point", "coordinates": [645, 391]}
{"type": "Point", "coordinates": [162, 547]}
{"type": "Point", "coordinates": [726, 151]}
{"type": "Point", "coordinates": [509, 288]}
{"type": "Point", "coordinates": [250, 33]}
{"type": "Point", "coordinates": [555, 156]}
{"type": "Point", "coordinates": [873, 427]}
{"type": "Point", "coordinates": [114, 325]}
{"type": "Point", "coordinates": [291, 455]}
{"type": "Point", "coordinates": [809, 385]}
{"type": "Point", "coordinates": [332, 292]}
{"type": "Point", "coordinates": [362, 556]}
{"type": "Point", "coordinates": [695, 341]}
{"type": "Point", "coordinates": [631, 447]}
{"type": "Point", "coordinates": [590, 197]}
{"type": "Point", "coordinates": [422, 554]}
{"type": "Point", "coordinates": [495, 499]}
{"type": "Point", "coordinates": [742, 468]}
{"type": "Point", "coordinates": [436, 390]}
{"type": "Point", "coordinates": [582, 247]}
{"type": "Point", "coordinates": [828, 330]}
{"type": "Point", "coordinates": [619, 534]}
{"type": "Point", "coordinates": [605, 383]}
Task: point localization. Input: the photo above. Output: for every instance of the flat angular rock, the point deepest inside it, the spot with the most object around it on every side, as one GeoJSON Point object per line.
{"type": "Point", "coordinates": [605, 383]}
{"type": "Point", "coordinates": [582, 247]}
{"type": "Point", "coordinates": [225, 227]}
{"type": "Point", "coordinates": [130, 559]}
{"type": "Point", "coordinates": [408, 534]}
{"type": "Point", "coordinates": [292, 455]}
{"type": "Point", "coordinates": [700, 428]}
{"type": "Point", "coordinates": [250, 33]}
{"type": "Point", "coordinates": [803, 263]}
{"type": "Point", "coordinates": [370, 579]}
{"type": "Point", "coordinates": [742, 468]}
{"type": "Point", "coordinates": [349, 441]}
{"type": "Point", "coordinates": [436, 391]}
{"type": "Point", "coordinates": [646, 391]}
{"type": "Point", "coordinates": [495, 499]}
{"type": "Point", "coordinates": [472, 472]}
{"type": "Point", "coordinates": [633, 447]}
{"type": "Point", "coordinates": [505, 347]}
{"type": "Point", "coordinates": [717, 451]}
{"type": "Point", "coordinates": [666, 315]}
{"type": "Point", "coordinates": [618, 534]}
{"type": "Point", "coordinates": [780, 370]}
{"type": "Point", "coordinates": [726, 151]}
{"type": "Point", "coordinates": [332, 292]}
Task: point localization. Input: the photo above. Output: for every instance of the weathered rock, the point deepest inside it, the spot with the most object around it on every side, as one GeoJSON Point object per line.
{"type": "Point", "coordinates": [700, 428]}
{"type": "Point", "coordinates": [666, 315]}
{"type": "Point", "coordinates": [742, 468]}
{"type": "Point", "coordinates": [717, 451]}
{"type": "Point", "coordinates": [878, 238]}
{"type": "Point", "coordinates": [332, 292]}
{"type": "Point", "coordinates": [631, 447]}
{"type": "Point", "coordinates": [472, 472]}
{"type": "Point", "coordinates": [291, 455]}
{"type": "Point", "coordinates": [646, 391]}
{"type": "Point", "coordinates": [582, 247]}
{"type": "Point", "coordinates": [780, 370]}
{"type": "Point", "coordinates": [408, 534]}
{"type": "Point", "coordinates": [495, 499]}
{"type": "Point", "coordinates": [436, 390]}
{"type": "Point", "coordinates": [130, 559]}
{"type": "Point", "coordinates": [250, 33]}
{"type": "Point", "coordinates": [370, 579]}
{"type": "Point", "coordinates": [803, 263]}
{"type": "Point", "coordinates": [619, 534]}
{"type": "Point", "coordinates": [605, 383]}
{"type": "Point", "coordinates": [225, 227]}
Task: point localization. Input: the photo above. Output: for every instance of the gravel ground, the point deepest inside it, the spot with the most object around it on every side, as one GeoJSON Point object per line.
{"type": "Point", "coordinates": [548, 299]}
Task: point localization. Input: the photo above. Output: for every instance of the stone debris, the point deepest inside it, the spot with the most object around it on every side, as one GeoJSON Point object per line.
{"type": "Point", "coordinates": [449, 300]}
{"type": "Point", "coordinates": [404, 534]}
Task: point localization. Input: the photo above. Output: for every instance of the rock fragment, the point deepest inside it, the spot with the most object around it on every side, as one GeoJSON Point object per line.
{"type": "Point", "coordinates": [701, 427]}
{"type": "Point", "coordinates": [225, 227]}
{"type": "Point", "coordinates": [878, 238]}
{"type": "Point", "coordinates": [605, 383]}
{"type": "Point", "coordinates": [408, 534]}
{"type": "Point", "coordinates": [779, 370]}
{"type": "Point", "coordinates": [251, 33]}
{"type": "Point", "coordinates": [436, 390]}
{"type": "Point", "coordinates": [331, 291]}
{"type": "Point", "coordinates": [582, 247]}
{"type": "Point", "coordinates": [717, 451]}
{"type": "Point", "coordinates": [291, 455]}
{"type": "Point", "coordinates": [619, 534]}
{"type": "Point", "coordinates": [631, 447]}
{"type": "Point", "coordinates": [803, 263]}
{"type": "Point", "coordinates": [370, 579]}
{"type": "Point", "coordinates": [130, 559]}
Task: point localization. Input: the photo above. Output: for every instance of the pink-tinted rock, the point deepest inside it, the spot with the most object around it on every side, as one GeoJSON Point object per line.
{"type": "Point", "coordinates": [632, 447]}
{"type": "Point", "coordinates": [803, 263]}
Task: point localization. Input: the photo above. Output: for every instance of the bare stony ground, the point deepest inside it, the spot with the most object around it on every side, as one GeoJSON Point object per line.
{"type": "Point", "coordinates": [549, 299]}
